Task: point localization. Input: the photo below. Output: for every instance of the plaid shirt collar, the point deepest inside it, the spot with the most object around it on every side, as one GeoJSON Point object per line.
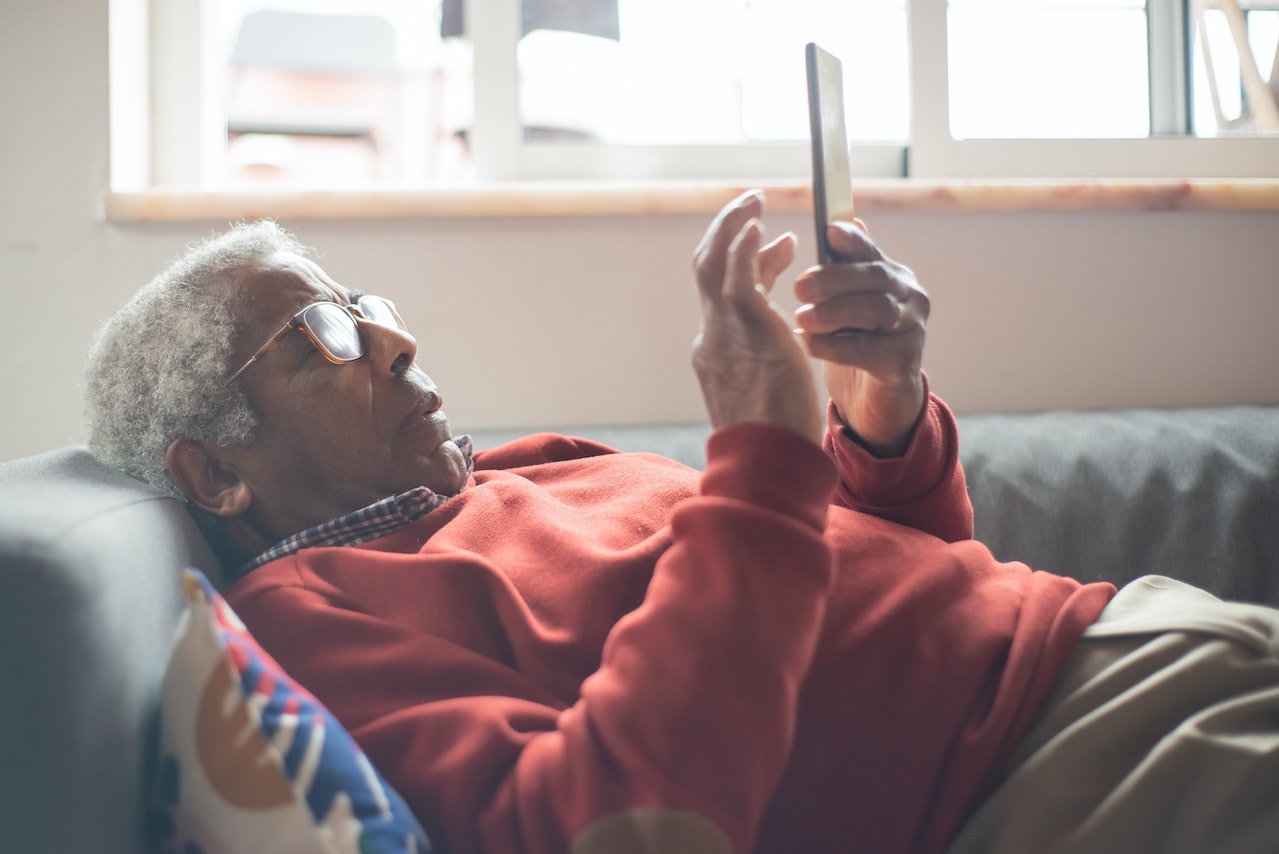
{"type": "Point", "coordinates": [376, 520]}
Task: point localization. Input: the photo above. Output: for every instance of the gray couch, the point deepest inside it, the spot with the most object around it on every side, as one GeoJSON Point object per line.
{"type": "Point", "coordinates": [89, 586]}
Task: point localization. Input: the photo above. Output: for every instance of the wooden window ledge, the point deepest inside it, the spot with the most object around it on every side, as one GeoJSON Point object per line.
{"type": "Point", "coordinates": [600, 198]}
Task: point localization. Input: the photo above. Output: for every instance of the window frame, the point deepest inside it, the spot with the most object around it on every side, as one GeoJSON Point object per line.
{"type": "Point", "coordinates": [178, 144]}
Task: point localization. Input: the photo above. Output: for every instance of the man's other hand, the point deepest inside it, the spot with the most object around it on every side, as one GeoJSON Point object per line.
{"type": "Point", "coordinates": [864, 317]}
{"type": "Point", "coordinates": [749, 362]}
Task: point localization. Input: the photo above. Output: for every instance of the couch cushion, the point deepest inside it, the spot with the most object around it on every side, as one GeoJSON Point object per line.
{"type": "Point", "coordinates": [89, 595]}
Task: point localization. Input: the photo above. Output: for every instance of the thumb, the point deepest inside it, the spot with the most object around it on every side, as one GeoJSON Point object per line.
{"type": "Point", "coordinates": [851, 242]}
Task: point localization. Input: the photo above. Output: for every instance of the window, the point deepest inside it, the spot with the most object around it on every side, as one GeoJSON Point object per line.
{"type": "Point", "coordinates": [412, 93]}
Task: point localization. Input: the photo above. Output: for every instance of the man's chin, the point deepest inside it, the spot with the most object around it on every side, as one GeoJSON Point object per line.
{"type": "Point", "coordinates": [445, 468]}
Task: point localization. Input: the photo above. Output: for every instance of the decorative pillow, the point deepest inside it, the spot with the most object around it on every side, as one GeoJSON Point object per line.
{"type": "Point", "coordinates": [251, 763]}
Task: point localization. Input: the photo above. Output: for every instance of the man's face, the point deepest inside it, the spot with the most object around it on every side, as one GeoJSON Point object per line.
{"type": "Point", "coordinates": [332, 438]}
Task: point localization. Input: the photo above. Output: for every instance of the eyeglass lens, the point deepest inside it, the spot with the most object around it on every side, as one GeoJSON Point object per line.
{"type": "Point", "coordinates": [380, 311]}
{"type": "Point", "coordinates": [337, 330]}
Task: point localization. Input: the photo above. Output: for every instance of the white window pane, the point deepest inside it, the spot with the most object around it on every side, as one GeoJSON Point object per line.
{"type": "Point", "coordinates": [714, 72]}
{"type": "Point", "coordinates": [1263, 37]}
{"type": "Point", "coordinates": [1048, 69]}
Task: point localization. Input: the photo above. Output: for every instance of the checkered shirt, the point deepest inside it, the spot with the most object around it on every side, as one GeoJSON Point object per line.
{"type": "Point", "coordinates": [376, 520]}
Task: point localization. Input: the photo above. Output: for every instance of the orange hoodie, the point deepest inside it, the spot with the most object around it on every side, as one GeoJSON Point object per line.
{"type": "Point", "coordinates": [792, 651]}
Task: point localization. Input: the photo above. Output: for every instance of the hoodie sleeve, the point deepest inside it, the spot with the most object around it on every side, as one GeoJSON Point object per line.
{"type": "Point", "coordinates": [923, 489]}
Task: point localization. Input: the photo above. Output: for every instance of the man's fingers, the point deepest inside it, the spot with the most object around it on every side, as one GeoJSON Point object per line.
{"type": "Point", "coordinates": [774, 258]}
{"type": "Point", "coordinates": [741, 275]}
{"type": "Point", "coordinates": [711, 257]}
{"type": "Point", "coordinates": [869, 311]}
{"type": "Point", "coordinates": [833, 280]}
{"type": "Point", "coordinates": [851, 242]}
{"type": "Point", "coordinates": [875, 352]}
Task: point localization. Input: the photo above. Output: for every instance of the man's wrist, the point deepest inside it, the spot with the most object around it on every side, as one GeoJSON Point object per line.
{"type": "Point", "coordinates": [881, 449]}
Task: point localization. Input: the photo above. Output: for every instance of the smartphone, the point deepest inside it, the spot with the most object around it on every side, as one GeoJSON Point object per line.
{"type": "Point", "coordinates": [832, 174]}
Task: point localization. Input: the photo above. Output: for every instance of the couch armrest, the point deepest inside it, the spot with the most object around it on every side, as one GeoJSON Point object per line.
{"type": "Point", "coordinates": [89, 597]}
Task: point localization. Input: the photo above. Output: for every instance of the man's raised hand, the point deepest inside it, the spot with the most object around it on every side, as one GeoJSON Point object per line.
{"type": "Point", "coordinates": [865, 318]}
{"type": "Point", "coordinates": [750, 365]}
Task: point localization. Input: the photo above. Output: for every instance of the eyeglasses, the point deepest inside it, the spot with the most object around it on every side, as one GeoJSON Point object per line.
{"type": "Point", "coordinates": [332, 328]}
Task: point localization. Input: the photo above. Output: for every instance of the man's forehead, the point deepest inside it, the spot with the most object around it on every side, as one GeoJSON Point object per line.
{"type": "Point", "coordinates": [265, 293]}
{"type": "Point", "coordinates": [284, 279]}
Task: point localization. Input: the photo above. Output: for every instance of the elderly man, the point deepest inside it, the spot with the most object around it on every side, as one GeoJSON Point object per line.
{"type": "Point", "coordinates": [550, 646]}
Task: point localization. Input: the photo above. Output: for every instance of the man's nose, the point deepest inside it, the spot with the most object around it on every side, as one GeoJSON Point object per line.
{"type": "Point", "coordinates": [389, 350]}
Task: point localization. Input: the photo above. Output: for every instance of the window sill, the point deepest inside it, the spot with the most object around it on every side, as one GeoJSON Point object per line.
{"type": "Point", "coordinates": [591, 199]}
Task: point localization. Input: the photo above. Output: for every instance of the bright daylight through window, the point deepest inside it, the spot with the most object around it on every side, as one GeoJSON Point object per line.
{"type": "Point", "coordinates": [449, 92]}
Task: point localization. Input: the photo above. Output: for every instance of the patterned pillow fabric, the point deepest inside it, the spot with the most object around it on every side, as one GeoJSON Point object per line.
{"type": "Point", "coordinates": [250, 763]}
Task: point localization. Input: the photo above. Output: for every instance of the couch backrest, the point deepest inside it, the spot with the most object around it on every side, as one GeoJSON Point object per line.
{"type": "Point", "coordinates": [1192, 493]}
{"type": "Point", "coordinates": [89, 597]}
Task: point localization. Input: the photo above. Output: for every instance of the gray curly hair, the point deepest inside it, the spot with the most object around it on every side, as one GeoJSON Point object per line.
{"type": "Point", "coordinates": [157, 369]}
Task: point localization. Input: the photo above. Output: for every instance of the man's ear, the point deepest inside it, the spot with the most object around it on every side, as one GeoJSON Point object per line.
{"type": "Point", "coordinates": [205, 480]}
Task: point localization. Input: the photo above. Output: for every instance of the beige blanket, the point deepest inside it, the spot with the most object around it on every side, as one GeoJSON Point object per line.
{"type": "Point", "coordinates": [1163, 736]}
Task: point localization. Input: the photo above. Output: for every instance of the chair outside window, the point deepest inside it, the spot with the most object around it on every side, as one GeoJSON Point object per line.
{"type": "Point", "coordinates": [1237, 39]}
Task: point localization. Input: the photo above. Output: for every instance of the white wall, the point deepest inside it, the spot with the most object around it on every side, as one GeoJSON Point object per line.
{"type": "Point", "coordinates": [588, 320]}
